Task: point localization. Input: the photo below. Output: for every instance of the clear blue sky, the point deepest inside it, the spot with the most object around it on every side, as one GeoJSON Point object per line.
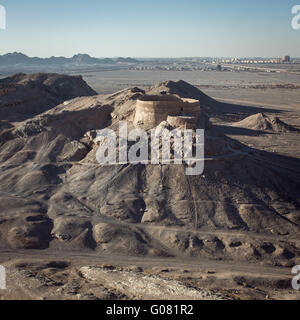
{"type": "Point", "coordinates": [142, 28]}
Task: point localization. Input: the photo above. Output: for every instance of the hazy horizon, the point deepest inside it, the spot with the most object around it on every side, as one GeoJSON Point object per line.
{"type": "Point", "coordinates": [148, 58]}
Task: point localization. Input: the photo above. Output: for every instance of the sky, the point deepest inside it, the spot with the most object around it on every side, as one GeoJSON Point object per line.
{"type": "Point", "coordinates": [156, 28]}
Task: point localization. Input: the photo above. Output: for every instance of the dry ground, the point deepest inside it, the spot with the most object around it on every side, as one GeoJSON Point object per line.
{"type": "Point", "coordinates": [236, 264]}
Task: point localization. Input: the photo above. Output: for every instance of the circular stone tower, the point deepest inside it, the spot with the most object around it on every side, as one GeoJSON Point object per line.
{"type": "Point", "coordinates": [152, 110]}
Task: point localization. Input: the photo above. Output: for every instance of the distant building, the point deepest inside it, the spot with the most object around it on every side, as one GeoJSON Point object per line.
{"type": "Point", "coordinates": [286, 59]}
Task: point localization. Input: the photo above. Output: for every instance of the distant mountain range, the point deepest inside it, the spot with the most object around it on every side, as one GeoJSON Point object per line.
{"type": "Point", "coordinates": [16, 58]}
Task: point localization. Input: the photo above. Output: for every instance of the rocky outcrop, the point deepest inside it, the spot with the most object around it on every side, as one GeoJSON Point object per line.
{"type": "Point", "coordinates": [183, 90]}
{"type": "Point", "coordinates": [264, 122]}
{"type": "Point", "coordinates": [23, 96]}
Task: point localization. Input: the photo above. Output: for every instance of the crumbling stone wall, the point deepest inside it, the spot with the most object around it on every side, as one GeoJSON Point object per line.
{"type": "Point", "coordinates": [183, 122]}
{"type": "Point", "coordinates": [152, 110]}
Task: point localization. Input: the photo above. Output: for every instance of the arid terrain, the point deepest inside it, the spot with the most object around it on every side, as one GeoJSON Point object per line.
{"type": "Point", "coordinates": [71, 228]}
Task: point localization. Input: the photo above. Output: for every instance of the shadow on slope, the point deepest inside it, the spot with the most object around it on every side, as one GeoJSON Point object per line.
{"type": "Point", "coordinates": [214, 108]}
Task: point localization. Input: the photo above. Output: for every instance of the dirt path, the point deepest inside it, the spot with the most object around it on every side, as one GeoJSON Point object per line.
{"type": "Point", "coordinates": [87, 258]}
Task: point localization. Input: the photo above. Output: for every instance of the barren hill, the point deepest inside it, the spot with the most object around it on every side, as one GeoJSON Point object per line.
{"type": "Point", "coordinates": [183, 89]}
{"type": "Point", "coordinates": [20, 60]}
{"type": "Point", "coordinates": [53, 193]}
{"type": "Point", "coordinates": [22, 96]}
{"type": "Point", "coordinates": [264, 122]}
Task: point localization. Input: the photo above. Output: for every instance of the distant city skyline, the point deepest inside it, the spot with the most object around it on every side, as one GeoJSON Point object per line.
{"type": "Point", "coordinates": [156, 29]}
{"type": "Point", "coordinates": [149, 58]}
